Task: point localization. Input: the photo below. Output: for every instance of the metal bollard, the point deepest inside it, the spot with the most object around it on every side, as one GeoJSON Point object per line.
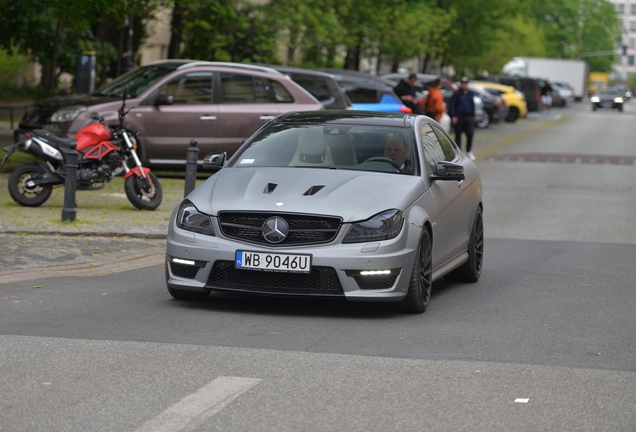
{"type": "Point", "coordinates": [70, 184]}
{"type": "Point", "coordinates": [191, 167]}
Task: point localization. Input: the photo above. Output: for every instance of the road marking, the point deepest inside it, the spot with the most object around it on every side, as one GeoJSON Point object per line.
{"type": "Point", "coordinates": [193, 410]}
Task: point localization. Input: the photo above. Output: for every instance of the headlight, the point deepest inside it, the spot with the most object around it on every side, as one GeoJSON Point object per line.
{"type": "Point", "coordinates": [595, 99]}
{"type": "Point", "coordinates": [383, 226]}
{"type": "Point", "coordinates": [618, 100]}
{"type": "Point", "coordinates": [191, 219]}
{"type": "Point", "coordinates": [67, 114]}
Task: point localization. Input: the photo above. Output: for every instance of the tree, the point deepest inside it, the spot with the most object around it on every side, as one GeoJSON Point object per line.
{"type": "Point", "coordinates": [53, 33]}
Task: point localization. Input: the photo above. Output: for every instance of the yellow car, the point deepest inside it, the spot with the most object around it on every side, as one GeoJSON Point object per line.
{"type": "Point", "coordinates": [514, 99]}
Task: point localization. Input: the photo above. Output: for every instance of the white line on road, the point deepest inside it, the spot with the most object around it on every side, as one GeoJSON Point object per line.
{"type": "Point", "coordinates": [193, 410]}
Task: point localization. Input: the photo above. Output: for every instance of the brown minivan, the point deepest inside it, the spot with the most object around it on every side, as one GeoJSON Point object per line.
{"type": "Point", "coordinates": [174, 101]}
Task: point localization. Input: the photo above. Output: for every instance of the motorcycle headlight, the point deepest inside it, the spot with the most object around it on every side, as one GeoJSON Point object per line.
{"type": "Point", "coordinates": [67, 114]}
{"type": "Point", "coordinates": [383, 226]}
{"type": "Point", "coordinates": [190, 218]}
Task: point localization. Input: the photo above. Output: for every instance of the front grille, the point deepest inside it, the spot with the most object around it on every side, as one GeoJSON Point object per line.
{"type": "Point", "coordinates": [184, 270]}
{"type": "Point", "coordinates": [321, 280]}
{"type": "Point", "coordinates": [375, 282]}
{"type": "Point", "coordinates": [303, 229]}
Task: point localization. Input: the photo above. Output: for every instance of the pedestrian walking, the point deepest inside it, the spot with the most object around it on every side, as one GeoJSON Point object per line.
{"type": "Point", "coordinates": [546, 96]}
{"type": "Point", "coordinates": [462, 112]}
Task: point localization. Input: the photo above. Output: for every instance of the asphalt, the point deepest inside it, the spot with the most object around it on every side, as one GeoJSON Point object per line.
{"type": "Point", "coordinates": [112, 236]}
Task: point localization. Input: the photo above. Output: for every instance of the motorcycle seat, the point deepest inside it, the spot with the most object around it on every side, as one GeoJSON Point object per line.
{"type": "Point", "coordinates": [43, 133]}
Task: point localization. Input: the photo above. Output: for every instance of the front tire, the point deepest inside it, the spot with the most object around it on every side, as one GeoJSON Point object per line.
{"type": "Point", "coordinates": [513, 115]}
{"type": "Point", "coordinates": [470, 271]}
{"type": "Point", "coordinates": [24, 195]}
{"type": "Point", "coordinates": [419, 293]}
{"type": "Point", "coordinates": [145, 194]}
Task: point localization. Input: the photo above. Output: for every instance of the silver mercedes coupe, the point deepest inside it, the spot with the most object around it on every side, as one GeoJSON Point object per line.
{"type": "Point", "coordinates": [360, 205]}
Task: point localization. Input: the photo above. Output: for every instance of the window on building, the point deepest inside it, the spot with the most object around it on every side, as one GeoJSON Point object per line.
{"type": "Point", "coordinates": [632, 42]}
{"type": "Point", "coordinates": [630, 60]}
{"type": "Point", "coordinates": [632, 26]}
{"type": "Point", "coordinates": [632, 10]}
{"type": "Point", "coordinates": [620, 8]}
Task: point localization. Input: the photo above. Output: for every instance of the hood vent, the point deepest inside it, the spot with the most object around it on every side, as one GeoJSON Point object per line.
{"type": "Point", "coordinates": [270, 188]}
{"type": "Point", "coordinates": [313, 190]}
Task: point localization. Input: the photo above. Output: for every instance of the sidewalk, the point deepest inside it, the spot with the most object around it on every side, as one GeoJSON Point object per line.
{"type": "Point", "coordinates": [110, 235]}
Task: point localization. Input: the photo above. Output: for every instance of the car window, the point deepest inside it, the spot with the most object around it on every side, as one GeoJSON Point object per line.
{"type": "Point", "coordinates": [356, 147]}
{"type": "Point", "coordinates": [363, 95]}
{"type": "Point", "coordinates": [136, 80]}
{"type": "Point", "coordinates": [447, 145]}
{"type": "Point", "coordinates": [190, 89]}
{"type": "Point", "coordinates": [243, 89]}
{"type": "Point", "coordinates": [433, 151]}
{"type": "Point", "coordinates": [316, 86]}
{"type": "Point", "coordinates": [281, 94]}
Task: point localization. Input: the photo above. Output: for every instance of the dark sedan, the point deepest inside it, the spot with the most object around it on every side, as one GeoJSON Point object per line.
{"type": "Point", "coordinates": [607, 98]}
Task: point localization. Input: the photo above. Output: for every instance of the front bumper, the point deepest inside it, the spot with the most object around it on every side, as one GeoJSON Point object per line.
{"type": "Point", "coordinates": [335, 266]}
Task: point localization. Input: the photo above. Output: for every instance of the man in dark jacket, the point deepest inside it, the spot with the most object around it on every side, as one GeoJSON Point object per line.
{"type": "Point", "coordinates": [405, 90]}
{"type": "Point", "coordinates": [462, 113]}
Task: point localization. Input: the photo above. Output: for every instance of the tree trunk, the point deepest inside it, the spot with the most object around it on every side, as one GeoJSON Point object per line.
{"type": "Point", "coordinates": [177, 25]}
{"type": "Point", "coordinates": [352, 60]}
{"type": "Point", "coordinates": [48, 76]}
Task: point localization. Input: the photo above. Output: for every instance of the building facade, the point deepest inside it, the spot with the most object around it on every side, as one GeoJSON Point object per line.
{"type": "Point", "coordinates": [625, 65]}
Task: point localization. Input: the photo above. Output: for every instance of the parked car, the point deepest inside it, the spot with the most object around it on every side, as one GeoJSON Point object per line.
{"type": "Point", "coordinates": [369, 94]}
{"type": "Point", "coordinates": [312, 206]}
{"type": "Point", "coordinates": [494, 106]}
{"type": "Point", "coordinates": [528, 86]}
{"type": "Point", "coordinates": [608, 97]}
{"type": "Point", "coordinates": [565, 91]}
{"type": "Point", "coordinates": [514, 99]}
{"type": "Point", "coordinates": [173, 101]}
{"type": "Point", "coordinates": [321, 85]}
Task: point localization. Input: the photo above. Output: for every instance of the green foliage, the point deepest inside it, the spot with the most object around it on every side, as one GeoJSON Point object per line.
{"type": "Point", "coordinates": [632, 81]}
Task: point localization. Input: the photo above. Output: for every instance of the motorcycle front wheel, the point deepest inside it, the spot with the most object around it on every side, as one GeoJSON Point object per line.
{"type": "Point", "coordinates": [145, 194]}
{"type": "Point", "coordinates": [24, 194]}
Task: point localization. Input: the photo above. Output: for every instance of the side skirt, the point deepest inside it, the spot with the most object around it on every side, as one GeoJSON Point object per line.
{"type": "Point", "coordinates": [450, 264]}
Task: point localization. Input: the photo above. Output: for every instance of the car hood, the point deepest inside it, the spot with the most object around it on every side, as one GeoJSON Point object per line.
{"type": "Point", "coordinates": [62, 101]}
{"type": "Point", "coordinates": [352, 195]}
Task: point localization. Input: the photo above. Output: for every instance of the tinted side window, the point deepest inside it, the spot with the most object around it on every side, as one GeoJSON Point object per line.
{"type": "Point", "coordinates": [190, 89]}
{"type": "Point", "coordinates": [362, 95]}
{"type": "Point", "coordinates": [447, 146]}
{"type": "Point", "coordinates": [433, 152]}
{"type": "Point", "coordinates": [316, 86]}
{"type": "Point", "coordinates": [240, 89]}
{"type": "Point", "coordinates": [281, 94]}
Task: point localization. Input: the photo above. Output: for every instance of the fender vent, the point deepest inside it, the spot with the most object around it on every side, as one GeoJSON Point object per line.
{"type": "Point", "coordinates": [270, 188]}
{"type": "Point", "coordinates": [313, 190]}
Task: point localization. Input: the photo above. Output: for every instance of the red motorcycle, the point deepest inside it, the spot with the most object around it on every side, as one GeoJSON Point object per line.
{"type": "Point", "coordinates": [104, 152]}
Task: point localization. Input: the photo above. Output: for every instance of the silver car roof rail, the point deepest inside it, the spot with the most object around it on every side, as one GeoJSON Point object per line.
{"type": "Point", "coordinates": [230, 64]}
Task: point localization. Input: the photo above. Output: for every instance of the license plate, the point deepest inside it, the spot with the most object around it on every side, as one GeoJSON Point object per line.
{"type": "Point", "coordinates": [273, 262]}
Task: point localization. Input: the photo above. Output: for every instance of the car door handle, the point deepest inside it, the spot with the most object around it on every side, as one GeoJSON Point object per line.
{"type": "Point", "coordinates": [207, 117]}
{"type": "Point", "coordinates": [266, 117]}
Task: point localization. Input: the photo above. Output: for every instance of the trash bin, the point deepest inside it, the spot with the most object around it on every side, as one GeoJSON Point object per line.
{"type": "Point", "coordinates": [85, 72]}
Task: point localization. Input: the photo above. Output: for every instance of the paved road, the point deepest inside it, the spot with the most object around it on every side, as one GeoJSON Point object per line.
{"type": "Point", "coordinates": [545, 340]}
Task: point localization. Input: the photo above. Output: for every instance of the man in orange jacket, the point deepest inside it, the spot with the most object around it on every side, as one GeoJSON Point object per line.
{"type": "Point", "coordinates": [434, 107]}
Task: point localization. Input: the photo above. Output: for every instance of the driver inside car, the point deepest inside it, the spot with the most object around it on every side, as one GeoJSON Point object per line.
{"type": "Point", "coordinates": [396, 150]}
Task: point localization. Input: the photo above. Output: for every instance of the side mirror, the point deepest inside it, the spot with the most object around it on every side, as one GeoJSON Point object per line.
{"type": "Point", "coordinates": [448, 171]}
{"type": "Point", "coordinates": [164, 99]}
{"type": "Point", "coordinates": [214, 161]}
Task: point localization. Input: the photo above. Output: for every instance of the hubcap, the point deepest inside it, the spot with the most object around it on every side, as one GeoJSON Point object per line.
{"type": "Point", "coordinates": [479, 243]}
{"type": "Point", "coordinates": [426, 268]}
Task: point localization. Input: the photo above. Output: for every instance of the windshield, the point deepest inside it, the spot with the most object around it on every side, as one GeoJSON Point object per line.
{"type": "Point", "coordinates": [137, 81]}
{"type": "Point", "coordinates": [356, 147]}
{"type": "Point", "coordinates": [608, 93]}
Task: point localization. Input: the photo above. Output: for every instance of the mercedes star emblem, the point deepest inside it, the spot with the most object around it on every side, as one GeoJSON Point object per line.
{"type": "Point", "coordinates": [275, 229]}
